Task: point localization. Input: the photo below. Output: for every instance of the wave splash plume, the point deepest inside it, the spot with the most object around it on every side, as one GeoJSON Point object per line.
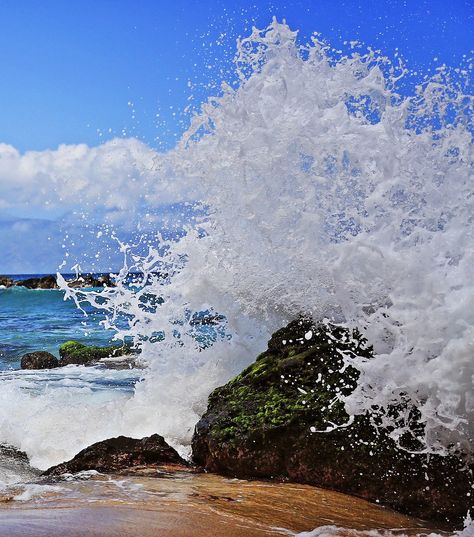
{"type": "Point", "coordinates": [325, 193]}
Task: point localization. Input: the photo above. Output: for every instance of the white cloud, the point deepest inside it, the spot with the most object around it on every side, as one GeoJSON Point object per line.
{"type": "Point", "coordinates": [114, 176]}
{"type": "Point", "coordinates": [65, 195]}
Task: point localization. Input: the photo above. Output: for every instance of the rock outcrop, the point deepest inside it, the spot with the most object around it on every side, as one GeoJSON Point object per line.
{"type": "Point", "coordinates": [15, 462]}
{"type": "Point", "coordinates": [49, 282]}
{"type": "Point", "coordinates": [44, 282]}
{"type": "Point", "coordinates": [119, 453]}
{"type": "Point", "coordinates": [39, 360]}
{"type": "Point", "coordinates": [88, 280]}
{"type": "Point", "coordinates": [73, 352]}
{"type": "Point", "coordinates": [267, 422]}
{"type": "Point", "coordinates": [6, 281]}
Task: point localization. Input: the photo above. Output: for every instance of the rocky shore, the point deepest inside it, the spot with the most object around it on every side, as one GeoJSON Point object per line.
{"type": "Point", "coordinates": [76, 353]}
{"type": "Point", "coordinates": [271, 422]}
{"type": "Point", "coordinates": [49, 282]}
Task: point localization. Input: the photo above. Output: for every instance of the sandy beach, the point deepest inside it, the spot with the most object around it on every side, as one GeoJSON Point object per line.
{"type": "Point", "coordinates": [189, 504]}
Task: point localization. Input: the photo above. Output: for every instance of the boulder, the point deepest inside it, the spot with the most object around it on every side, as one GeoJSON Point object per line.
{"type": "Point", "coordinates": [44, 282]}
{"type": "Point", "coordinates": [73, 352]}
{"type": "Point", "coordinates": [119, 453]}
{"type": "Point", "coordinates": [269, 422]}
{"type": "Point", "coordinates": [39, 360]}
{"type": "Point", "coordinates": [15, 462]}
{"type": "Point", "coordinates": [5, 281]}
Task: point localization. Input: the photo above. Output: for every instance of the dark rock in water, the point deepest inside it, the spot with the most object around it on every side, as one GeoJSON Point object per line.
{"type": "Point", "coordinates": [88, 280]}
{"type": "Point", "coordinates": [45, 282]}
{"type": "Point", "coordinates": [49, 282]}
{"type": "Point", "coordinates": [73, 352]}
{"type": "Point", "coordinates": [266, 422]}
{"type": "Point", "coordinates": [119, 453]}
{"type": "Point", "coordinates": [5, 281]}
{"type": "Point", "coordinates": [39, 360]}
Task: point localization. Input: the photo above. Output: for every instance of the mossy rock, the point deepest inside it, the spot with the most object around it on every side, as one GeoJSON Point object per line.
{"type": "Point", "coordinates": [74, 352]}
{"type": "Point", "coordinates": [38, 360]}
{"type": "Point", "coordinates": [269, 422]}
{"type": "Point", "coordinates": [295, 381]}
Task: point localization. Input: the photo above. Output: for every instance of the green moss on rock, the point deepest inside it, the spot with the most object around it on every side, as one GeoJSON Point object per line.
{"type": "Point", "coordinates": [282, 386]}
{"type": "Point", "coordinates": [74, 352]}
{"type": "Point", "coordinates": [268, 422]}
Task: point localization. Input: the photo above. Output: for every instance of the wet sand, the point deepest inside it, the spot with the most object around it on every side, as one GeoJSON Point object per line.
{"type": "Point", "coordinates": [186, 504]}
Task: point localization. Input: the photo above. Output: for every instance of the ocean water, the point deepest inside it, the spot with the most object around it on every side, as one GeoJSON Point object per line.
{"type": "Point", "coordinates": [40, 319]}
{"type": "Point", "coordinates": [322, 190]}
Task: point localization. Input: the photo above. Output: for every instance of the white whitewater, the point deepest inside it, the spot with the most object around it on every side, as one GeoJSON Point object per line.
{"type": "Point", "coordinates": [328, 194]}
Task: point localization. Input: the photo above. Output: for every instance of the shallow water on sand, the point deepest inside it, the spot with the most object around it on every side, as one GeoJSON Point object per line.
{"type": "Point", "coordinates": [189, 504]}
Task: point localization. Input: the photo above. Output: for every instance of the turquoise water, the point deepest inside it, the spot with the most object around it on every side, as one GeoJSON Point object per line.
{"type": "Point", "coordinates": [42, 320]}
{"type": "Point", "coordinates": [37, 407]}
{"type": "Point", "coordinates": [52, 414]}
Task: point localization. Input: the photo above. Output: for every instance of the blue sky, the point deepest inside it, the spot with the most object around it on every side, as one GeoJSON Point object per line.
{"type": "Point", "coordinates": [90, 71]}
{"type": "Point", "coordinates": [69, 69]}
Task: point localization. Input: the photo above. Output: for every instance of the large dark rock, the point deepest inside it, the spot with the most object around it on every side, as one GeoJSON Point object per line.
{"type": "Point", "coordinates": [266, 423]}
{"type": "Point", "coordinates": [39, 360]}
{"type": "Point", "coordinates": [119, 453]}
{"type": "Point", "coordinates": [73, 352]}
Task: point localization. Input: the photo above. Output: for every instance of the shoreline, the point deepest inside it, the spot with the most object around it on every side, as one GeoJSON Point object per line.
{"type": "Point", "coordinates": [191, 504]}
{"type": "Point", "coordinates": [235, 437]}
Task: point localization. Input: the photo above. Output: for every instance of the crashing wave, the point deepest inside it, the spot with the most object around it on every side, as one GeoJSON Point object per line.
{"type": "Point", "coordinates": [321, 191]}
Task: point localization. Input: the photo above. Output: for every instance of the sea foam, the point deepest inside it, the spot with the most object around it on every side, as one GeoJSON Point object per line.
{"type": "Point", "coordinates": [324, 192]}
